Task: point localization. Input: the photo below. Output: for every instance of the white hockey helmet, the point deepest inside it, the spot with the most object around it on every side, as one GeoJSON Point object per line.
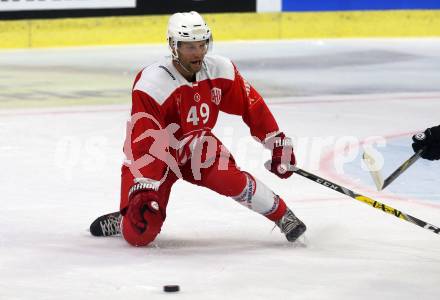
{"type": "Point", "coordinates": [187, 27]}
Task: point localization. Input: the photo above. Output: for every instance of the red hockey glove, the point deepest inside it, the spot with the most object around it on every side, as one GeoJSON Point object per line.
{"type": "Point", "coordinates": [143, 205]}
{"type": "Point", "coordinates": [282, 155]}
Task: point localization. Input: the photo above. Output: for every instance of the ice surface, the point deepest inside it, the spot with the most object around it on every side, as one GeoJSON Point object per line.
{"type": "Point", "coordinates": [60, 162]}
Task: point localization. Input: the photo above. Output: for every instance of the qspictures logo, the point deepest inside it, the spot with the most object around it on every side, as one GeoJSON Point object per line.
{"type": "Point", "coordinates": [91, 154]}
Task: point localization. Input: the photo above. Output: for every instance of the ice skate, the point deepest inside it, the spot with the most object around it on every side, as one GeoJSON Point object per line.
{"type": "Point", "coordinates": [107, 225]}
{"type": "Point", "coordinates": [291, 226]}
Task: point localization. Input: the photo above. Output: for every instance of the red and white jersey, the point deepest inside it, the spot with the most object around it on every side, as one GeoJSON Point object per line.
{"type": "Point", "coordinates": [162, 92]}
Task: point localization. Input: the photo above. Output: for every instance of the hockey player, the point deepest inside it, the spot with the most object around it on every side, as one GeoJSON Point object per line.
{"type": "Point", "coordinates": [430, 139]}
{"type": "Point", "coordinates": [175, 104]}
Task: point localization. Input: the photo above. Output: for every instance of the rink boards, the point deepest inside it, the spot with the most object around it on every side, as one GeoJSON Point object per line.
{"type": "Point", "coordinates": [226, 26]}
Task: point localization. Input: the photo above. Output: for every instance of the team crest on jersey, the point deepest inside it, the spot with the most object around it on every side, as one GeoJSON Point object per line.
{"type": "Point", "coordinates": [216, 95]}
{"type": "Point", "coordinates": [197, 97]}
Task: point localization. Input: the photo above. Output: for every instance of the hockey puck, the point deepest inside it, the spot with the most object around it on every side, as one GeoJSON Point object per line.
{"type": "Point", "coordinates": [171, 288]}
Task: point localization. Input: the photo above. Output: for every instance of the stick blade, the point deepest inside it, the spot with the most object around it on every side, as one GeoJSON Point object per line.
{"type": "Point", "coordinates": [373, 168]}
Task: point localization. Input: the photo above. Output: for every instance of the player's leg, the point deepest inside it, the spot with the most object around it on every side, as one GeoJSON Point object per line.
{"type": "Point", "coordinates": [153, 215]}
{"type": "Point", "coordinates": [250, 192]}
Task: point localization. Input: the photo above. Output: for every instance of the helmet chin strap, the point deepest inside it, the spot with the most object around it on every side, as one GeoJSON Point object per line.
{"type": "Point", "coordinates": [175, 57]}
{"type": "Point", "coordinates": [177, 60]}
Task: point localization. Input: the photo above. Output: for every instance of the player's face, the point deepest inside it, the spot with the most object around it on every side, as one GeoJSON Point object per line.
{"type": "Point", "coordinates": [191, 54]}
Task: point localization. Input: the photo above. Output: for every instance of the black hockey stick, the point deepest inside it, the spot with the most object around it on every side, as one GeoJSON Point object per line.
{"type": "Point", "coordinates": [377, 177]}
{"type": "Point", "coordinates": [373, 203]}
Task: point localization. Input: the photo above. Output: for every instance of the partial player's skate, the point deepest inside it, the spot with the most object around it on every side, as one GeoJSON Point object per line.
{"type": "Point", "coordinates": [107, 225]}
{"type": "Point", "coordinates": [291, 226]}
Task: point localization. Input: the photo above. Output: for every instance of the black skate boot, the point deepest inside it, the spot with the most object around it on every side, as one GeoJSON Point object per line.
{"type": "Point", "coordinates": [107, 225]}
{"type": "Point", "coordinates": [291, 226]}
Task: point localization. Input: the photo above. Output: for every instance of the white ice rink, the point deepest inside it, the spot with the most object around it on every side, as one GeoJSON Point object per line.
{"type": "Point", "coordinates": [62, 126]}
